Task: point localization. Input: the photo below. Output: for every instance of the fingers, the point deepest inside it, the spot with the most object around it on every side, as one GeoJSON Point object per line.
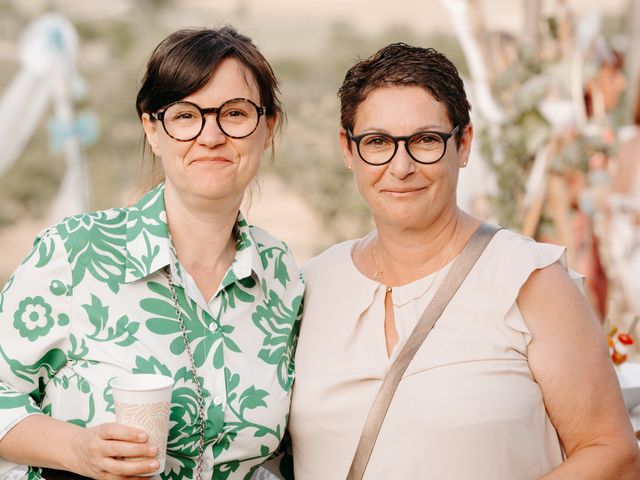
{"type": "Point", "coordinates": [117, 431]}
{"type": "Point", "coordinates": [129, 450]}
{"type": "Point", "coordinates": [113, 452]}
{"type": "Point", "coordinates": [130, 468]}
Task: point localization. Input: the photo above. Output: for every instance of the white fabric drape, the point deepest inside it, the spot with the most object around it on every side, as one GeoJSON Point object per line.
{"type": "Point", "coordinates": [47, 51]}
{"type": "Point", "coordinates": [21, 109]}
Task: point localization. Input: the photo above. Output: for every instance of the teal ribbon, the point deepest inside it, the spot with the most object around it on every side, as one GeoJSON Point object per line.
{"type": "Point", "coordinates": [84, 128]}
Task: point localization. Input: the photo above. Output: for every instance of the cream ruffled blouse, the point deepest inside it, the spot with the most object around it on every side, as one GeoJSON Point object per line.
{"type": "Point", "coordinates": [467, 407]}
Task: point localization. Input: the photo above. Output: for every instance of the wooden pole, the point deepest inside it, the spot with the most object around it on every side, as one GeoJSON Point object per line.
{"type": "Point", "coordinates": [632, 57]}
{"type": "Point", "coordinates": [531, 36]}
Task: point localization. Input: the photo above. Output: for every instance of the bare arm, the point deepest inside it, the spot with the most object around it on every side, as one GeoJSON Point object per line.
{"type": "Point", "coordinates": [43, 441]}
{"type": "Point", "coordinates": [569, 359]}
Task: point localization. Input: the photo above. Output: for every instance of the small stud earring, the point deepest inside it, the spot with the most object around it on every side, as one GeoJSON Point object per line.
{"type": "Point", "coordinates": [349, 168]}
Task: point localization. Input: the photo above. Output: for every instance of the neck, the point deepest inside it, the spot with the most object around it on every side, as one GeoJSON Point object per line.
{"type": "Point", "coordinates": [201, 231]}
{"type": "Point", "coordinates": [406, 254]}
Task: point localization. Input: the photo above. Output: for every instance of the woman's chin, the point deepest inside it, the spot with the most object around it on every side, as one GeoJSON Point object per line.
{"type": "Point", "coordinates": [404, 217]}
{"type": "Point", "coordinates": [213, 190]}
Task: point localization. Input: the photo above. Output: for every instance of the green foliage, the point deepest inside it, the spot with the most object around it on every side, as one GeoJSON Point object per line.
{"type": "Point", "coordinates": [511, 148]}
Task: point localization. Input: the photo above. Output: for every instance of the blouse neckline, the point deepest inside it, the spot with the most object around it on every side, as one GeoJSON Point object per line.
{"type": "Point", "coordinates": [402, 294]}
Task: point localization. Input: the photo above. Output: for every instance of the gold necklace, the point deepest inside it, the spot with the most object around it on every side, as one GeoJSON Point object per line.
{"type": "Point", "coordinates": [379, 275]}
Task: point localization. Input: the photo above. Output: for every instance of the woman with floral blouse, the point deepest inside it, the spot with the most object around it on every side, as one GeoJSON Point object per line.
{"type": "Point", "coordinates": [111, 293]}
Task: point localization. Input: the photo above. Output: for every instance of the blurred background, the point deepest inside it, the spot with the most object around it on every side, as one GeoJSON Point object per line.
{"type": "Point", "coordinates": [553, 84]}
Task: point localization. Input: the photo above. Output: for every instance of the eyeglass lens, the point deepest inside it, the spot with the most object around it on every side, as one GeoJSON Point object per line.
{"type": "Point", "coordinates": [425, 147]}
{"type": "Point", "coordinates": [236, 118]}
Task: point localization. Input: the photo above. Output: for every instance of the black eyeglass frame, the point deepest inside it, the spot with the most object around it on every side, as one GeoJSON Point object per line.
{"type": "Point", "coordinates": [205, 111]}
{"type": "Point", "coordinates": [444, 136]}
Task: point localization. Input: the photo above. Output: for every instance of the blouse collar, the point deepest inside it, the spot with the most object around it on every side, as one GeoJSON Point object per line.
{"type": "Point", "coordinates": [149, 247]}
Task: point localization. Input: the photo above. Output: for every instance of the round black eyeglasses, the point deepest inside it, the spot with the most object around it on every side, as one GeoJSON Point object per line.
{"type": "Point", "coordinates": [426, 147]}
{"type": "Point", "coordinates": [184, 121]}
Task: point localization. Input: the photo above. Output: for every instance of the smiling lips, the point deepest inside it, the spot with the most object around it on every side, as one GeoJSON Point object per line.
{"type": "Point", "coordinates": [216, 159]}
{"type": "Point", "coordinates": [402, 191]}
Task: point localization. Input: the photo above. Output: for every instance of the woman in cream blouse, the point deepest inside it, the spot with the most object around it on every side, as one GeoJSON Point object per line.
{"type": "Point", "coordinates": [514, 380]}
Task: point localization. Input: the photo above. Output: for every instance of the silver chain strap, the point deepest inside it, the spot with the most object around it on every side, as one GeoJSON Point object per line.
{"type": "Point", "coordinates": [194, 372]}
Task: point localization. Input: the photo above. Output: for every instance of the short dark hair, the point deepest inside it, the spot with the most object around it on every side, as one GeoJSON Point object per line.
{"type": "Point", "coordinates": [184, 62]}
{"type": "Point", "coordinates": [399, 64]}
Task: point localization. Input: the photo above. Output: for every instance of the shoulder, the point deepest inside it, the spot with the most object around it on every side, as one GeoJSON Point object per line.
{"type": "Point", "coordinates": [262, 238]}
{"type": "Point", "coordinates": [275, 257]}
{"type": "Point", "coordinates": [524, 265]}
{"type": "Point", "coordinates": [62, 252]}
{"type": "Point", "coordinates": [510, 249]}
{"type": "Point", "coordinates": [333, 260]}
{"type": "Point", "coordinates": [94, 242]}
{"type": "Point", "coordinates": [108, 225]}
{"type": "Point", "coordinates": [76, 232]}
{"type": "Point", "coordinates": [268, 245]}
{"type": "Point", "coordinates": [507, 238]}
{"type": "Point", "coordinates": [508, 262]}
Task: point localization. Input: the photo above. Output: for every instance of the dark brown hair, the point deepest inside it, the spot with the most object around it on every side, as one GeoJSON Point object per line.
{"type": "Point", "coordinates": [184, 62]}
{"type": "Point", "coordinates": [399, 64]}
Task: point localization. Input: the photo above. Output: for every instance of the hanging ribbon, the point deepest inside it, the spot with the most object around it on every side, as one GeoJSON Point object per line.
{"type": "Point", "coordinates": [84, 128]}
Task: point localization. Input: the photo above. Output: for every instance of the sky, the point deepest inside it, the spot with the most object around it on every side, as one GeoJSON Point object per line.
{"type": "Point", "coordinates": [299, 26]}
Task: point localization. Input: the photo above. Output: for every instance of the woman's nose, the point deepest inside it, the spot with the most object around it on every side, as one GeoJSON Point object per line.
{"type": "Point", "coordinates": [402, 165]}
{"type": "Point", "coordinates": [211, 134]}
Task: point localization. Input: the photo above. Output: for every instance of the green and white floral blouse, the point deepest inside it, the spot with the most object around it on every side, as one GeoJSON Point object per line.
{"type": "Point", "coordinates": [91, 302]}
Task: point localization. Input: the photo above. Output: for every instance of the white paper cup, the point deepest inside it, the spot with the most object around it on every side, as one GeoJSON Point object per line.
{"type": "Point", "coordinates": [144, 401]}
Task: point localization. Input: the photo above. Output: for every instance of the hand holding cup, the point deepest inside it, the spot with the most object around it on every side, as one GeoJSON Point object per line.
{"type": "Point", "coordinates": [143, 401]}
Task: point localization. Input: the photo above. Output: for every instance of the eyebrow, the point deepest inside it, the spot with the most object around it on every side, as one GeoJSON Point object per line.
{"type": "Point", "coordinates": [429, 128]}
{"type": "Point", "coordinates": [219, 105]}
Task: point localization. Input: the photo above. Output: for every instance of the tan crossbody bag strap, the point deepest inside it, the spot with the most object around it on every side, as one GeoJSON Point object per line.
{"type": "Point", "coordinates": [459, 271]}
